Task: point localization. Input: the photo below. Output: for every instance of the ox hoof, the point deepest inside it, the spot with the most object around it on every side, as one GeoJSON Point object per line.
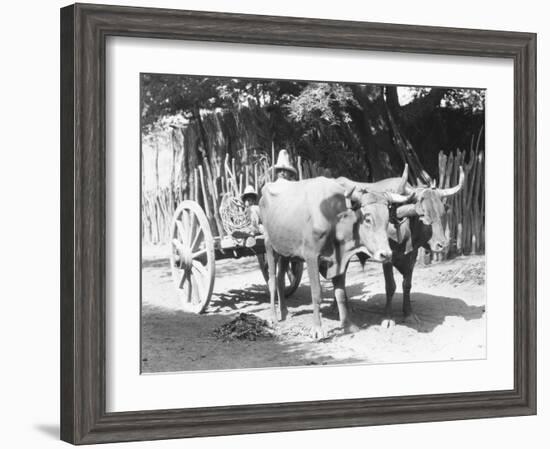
{"type": "Point", "coordinates": [318, 333]}
{"type": "Point", "coordinates": [388, 323]}
{"type": "Point", "coordinates": [351, 328]}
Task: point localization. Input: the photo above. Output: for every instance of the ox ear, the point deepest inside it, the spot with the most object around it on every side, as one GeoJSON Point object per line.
{"type": "Point", "coordinates": [345, 221]}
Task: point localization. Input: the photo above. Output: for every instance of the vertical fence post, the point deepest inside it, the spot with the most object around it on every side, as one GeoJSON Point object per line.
{"type": "Point", "coordinates": [271, 171]}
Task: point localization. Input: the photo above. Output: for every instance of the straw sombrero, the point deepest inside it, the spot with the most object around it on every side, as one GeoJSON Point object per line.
{"type": "Point", "coordinates": [249, 191]}
{"type": "Point", "coordinates": [283, 162]}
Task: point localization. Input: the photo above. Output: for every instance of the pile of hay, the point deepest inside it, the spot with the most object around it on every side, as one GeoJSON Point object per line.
{"type": "Point", "coordinates": [245, 327]}
{"type": "Point", "coordinates": [468, 273]}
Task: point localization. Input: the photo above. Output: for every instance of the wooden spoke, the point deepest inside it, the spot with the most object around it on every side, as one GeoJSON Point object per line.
{"type": "Point", "coordinates": [200, 269]}
{"type": "Point", "coordinates": [183, 279]}
{"type": "Point", "coordinates": [192, 295]}
{"type": "Point", "coordinates": [186, 223]}
{"type": "Point", "coordinates": [191, 290]}
{"type": "Point", "coordinates": [192, 230]}
{"type": "Point", "coordinates": [199, 253]}
{"type": "Point", "coordinates": [181, 231]}
{"type": "Point", "coordinates": [199, 277]}
{"type": "Point", "coordinates": [196, 239]}
{"type": "Point", "coordinates": [293, 274]}
{"type": "Point", "coordinates": [177, 244]}
{"type": "Point", "coordinates": [189, 293]}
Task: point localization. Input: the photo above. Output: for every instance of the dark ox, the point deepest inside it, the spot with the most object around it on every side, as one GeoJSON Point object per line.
{"type": "Point", "coordinates": [317, 219]}
{"type": "Point", "coordinates": [419, 224]}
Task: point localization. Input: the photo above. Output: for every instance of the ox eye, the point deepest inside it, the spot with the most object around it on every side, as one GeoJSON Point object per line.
{"type": "Point", "coordinates": [368, 219]}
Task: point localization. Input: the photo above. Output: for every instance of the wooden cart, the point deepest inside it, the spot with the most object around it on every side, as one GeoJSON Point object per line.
{"type": "Point", "coordinates": [194, 251]}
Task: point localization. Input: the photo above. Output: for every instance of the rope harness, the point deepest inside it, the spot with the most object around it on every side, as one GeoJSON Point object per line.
{"type": "Point", "coordinates": [394, 219]}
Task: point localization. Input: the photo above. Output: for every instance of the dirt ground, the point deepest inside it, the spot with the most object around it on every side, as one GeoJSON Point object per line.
{"type": "Point", "coordinates": [448, 299]}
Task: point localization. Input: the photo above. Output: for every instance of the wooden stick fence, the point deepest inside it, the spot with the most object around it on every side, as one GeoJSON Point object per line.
{"type": "Point", "coordinates": [208, 182]}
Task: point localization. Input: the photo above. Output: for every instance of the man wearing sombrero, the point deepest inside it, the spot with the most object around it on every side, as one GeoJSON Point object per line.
{"type": "Point", "coordinates": [283, 169]}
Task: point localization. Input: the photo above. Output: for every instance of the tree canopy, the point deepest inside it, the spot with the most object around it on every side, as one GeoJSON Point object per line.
{"type": "Point", "coordinates": [361, 130]}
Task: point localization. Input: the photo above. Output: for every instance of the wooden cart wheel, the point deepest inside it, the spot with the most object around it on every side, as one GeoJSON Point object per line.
{"type": "Point", "coordinates": [293, 273]}
{"type": "Point", "coordinates": [192, 256]}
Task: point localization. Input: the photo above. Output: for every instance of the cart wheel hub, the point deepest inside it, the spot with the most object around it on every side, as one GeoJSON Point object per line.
{"type": "Point", "coordinates": [185, 258]}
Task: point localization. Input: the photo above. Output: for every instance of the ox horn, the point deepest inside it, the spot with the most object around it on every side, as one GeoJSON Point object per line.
{"type": "Point", "coordinates": [404, 179]}
{"type": "Point", "coordinates": [348, 194]}
{"type": "Point", "coordinates": [410, 190]}
{"type": "Point", "coordinates": [453, 190]}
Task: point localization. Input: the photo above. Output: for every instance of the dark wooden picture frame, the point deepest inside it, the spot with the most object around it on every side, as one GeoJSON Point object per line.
{"type": "Point", "coordinates": [84, 29]}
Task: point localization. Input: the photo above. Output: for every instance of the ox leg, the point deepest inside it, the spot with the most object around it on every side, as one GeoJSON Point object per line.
{"type": "Point", "coordinates": [388, 321]}
{"type": "Point", "coordinates": [282, 266]}
{"type": "Point", "coordinates": [334, 305]}
{"type": "Point", "coordinates": [406, 267]}
{"type": "Point", "coordinates": [348, 305]}
{"type": "Point", "coordinates": [407, 284]}
{"type": "Point", "coordinates": [339, 283]}
{"type": "Point", "coordinates": [271, 269]}
{"type": "Point", "coordinates": [317, 331]}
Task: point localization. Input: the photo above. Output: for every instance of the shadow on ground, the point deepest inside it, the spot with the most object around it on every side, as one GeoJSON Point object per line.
{"type": "Point", "coordinates": [431, 310]}
{"type": "Point", "coordinates": [234, 299]}
{"type": "Point", "coordinates": [254, 295]}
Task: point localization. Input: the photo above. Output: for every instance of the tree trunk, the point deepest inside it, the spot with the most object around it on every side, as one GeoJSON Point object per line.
{"type": "Point", "coordinates": [402, 144]}
{"type": "Point", "coordinates": [184, 167]}
{"type": "Point", "coordinates": [401, 116]}
{"type": "Point", "coordinates": [363, 118]}
{"type": "Point", "coordinates": [384, 145]}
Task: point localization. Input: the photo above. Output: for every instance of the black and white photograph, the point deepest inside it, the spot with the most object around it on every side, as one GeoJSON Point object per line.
{"type": "Point", "coordinates": [275, 224]}
{"type": "Point", "coordinates": [290, 223]}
